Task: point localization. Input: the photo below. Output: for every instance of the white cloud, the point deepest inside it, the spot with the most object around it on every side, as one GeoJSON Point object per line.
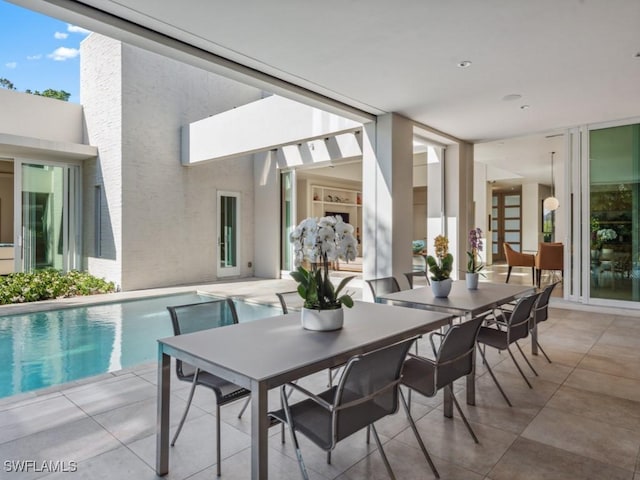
{"type": "Point", "coordinates": [76, 29]}
{"type": "Point", "coordinates": [60, 35]}
{"type": "Point", "coordinates": [63, 53]}
{"type": "Point", "coordinates": [11, 64]}
{"type": "Point", "coordinates": [34, 57]}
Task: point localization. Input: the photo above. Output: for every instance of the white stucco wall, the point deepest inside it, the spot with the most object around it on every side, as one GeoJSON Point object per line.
{"type": "Point", "coordinates": [101, 96]}
{"type": "Point", "coordinates": [162, 215]}
{"type": "Point", "coordinates": [39, 117]}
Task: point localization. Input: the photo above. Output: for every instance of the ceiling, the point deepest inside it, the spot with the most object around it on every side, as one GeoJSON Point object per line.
{"type": "Point", "coordinates": [570, 62]}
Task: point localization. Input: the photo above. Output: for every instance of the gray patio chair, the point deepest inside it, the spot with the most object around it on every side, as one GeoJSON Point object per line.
{"type": "Point", "coordinates": [367, 391]}
{"type": "Point", "coordinates": [292, 301]}
{"type": "Point", "coordinates": [192, 318]}
{"type": "Point", "coordinates": [508, 327]}
{"type": "Point", "coordinates": [420, 276]}
{"type": "Point", "coordinates": [453, 360]}
{"type": "Point", "coordinates": [541, 312]}
{"type": "Point", "coordinates": [380, 286]}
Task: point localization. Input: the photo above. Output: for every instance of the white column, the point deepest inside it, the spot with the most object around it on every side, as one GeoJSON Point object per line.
{"type": "Point", "coordinates": [459, 207]}
{"type": "Point", "coordinates": [387, 162]}
{"type": "Point", "coordinates": [266, 178]}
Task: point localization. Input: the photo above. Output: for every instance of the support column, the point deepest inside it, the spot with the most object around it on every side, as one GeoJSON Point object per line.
{"type": "Point", "coordinates": [459, 206]}
{"type": "Point", "coordinates": [387, 186]}
{"type": "Point", "coordinates": [266, 208]}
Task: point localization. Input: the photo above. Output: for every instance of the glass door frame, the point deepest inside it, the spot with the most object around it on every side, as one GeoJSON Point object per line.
{"type": "Point", "coordinates": [581, 163]}
{"type": "Point", "coordinates": [72, 212]}
{"type": "Point", "coordinates": [224, 271]}
{"type": "Point", "coordinates": [286, 250]}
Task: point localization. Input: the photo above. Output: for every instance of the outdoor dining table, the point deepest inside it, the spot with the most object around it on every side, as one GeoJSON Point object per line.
{"type": "Point", "coordinates": [461, 302]}
{"type": "Point", "coordinates": [267, 353]}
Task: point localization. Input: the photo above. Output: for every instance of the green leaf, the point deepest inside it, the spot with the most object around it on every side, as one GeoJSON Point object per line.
{"type": "Point", "coordinates": [343, 283]}
{"type": "Point", "coordinates": [346, 300]}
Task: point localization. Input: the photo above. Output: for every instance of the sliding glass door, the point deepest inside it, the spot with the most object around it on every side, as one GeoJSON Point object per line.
{"type": "Point", "coordinates": [614, 204]}
{"type": "Point", "coordinates": [48, 233]}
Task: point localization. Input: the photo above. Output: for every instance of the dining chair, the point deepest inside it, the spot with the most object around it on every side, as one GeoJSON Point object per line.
{"type": "Point", "coordinates": [518, 259]}
{"type": "Point", "coordinates": [419, 278]}
{"type": "Point", "coordinates": [381, 286]}
{"type": "Point", "coordinates": [541, 312]}
{"type": "Point", "coordinates": [292, 301]}
{"type": "Point", "coordinates": [550, 256]}
{"type": "Point", "coordinates": [368, 390]}
{"type": "Point", "coordinates": [192, 318]}
{"type": "Point", "coordinates": [453, 359]}
{"type": "Point", "coordinates": [507, 328]}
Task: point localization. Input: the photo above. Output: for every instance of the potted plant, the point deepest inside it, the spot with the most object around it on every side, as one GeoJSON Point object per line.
{"type": "Point", "coordinates": [440, 267]}
{"type": "Point", "coordinates": [317, 242]}
{"type": "Point", "coordinates": [474, 265]}
{"type": "Point", "coordinates": [606, 235]}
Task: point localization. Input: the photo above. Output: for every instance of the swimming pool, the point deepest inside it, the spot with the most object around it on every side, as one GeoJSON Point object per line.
{"type": "Point", "coordinates": [42, 349]}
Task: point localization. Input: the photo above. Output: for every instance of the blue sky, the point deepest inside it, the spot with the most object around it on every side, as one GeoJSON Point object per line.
{"type": "Point", "coordinates": [39, 52]}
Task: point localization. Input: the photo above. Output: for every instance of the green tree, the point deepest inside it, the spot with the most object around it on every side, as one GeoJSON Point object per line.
{"type": "Point", "coordinates": [4, 83]}
{"type": "Point", "coordinates": [51, 93]}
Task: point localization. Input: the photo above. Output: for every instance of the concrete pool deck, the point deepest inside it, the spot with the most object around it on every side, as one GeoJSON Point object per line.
{"type": "Point", "coordinates": [581, 420]}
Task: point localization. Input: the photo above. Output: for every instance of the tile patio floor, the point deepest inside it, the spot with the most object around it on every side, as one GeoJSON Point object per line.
{"type": "Point", "coordinates": [580, 421]}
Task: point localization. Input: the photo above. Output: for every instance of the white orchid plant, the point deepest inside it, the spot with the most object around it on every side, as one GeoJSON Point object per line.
{"type": "Point", "coordinates": [318, 242]}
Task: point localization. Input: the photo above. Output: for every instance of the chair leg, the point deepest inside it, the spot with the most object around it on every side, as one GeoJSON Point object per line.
{"type": "Point", "coordinates": [186, 410]}
{"type": "Point", "coordinates": [508, 274]}
{"type": "Point", "coordinates": [417, 435]}
{"type": "Point", "coordinates": [329, 457]}
{"type": "Point", "coordinates": [526, 360]}
{"type": "Point", "coordinates": [294, 438]}
{"type": "Point", "coordinates": [464, 419]}
{"type": "Point", "coordinates": [495, 380]}
{"type": "Point", "coordinates": [382, 454]}
{"type": "Point", "coordinates": [218, 449]}
{"type": "Point", "coordinates": [533, 275]}
{"type": "Point", "coordinates": [515, 362]}
{"type": "Point", "coordinates": [543, 352]}
{"type": "Point", "coordinates": [244, 407]}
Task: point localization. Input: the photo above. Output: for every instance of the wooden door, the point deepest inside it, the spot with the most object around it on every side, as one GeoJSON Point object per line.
{"type": "Point", "coordinates": [506, 222]}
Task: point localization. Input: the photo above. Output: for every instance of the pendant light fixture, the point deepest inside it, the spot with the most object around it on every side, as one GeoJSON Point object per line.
{"type": "Point", "coordinates": [551, 203]}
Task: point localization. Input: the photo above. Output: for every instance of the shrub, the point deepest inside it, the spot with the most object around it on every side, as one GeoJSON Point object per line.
{"type": "Point", "coordinates": [47, 284]}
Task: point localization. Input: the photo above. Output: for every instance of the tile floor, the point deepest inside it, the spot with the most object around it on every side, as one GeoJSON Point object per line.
{"type": "Point", "coordinates": [580, 421]}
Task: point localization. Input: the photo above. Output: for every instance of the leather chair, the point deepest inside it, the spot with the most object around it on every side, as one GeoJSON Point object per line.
{"type": "Point", "coordinates": [550, 256]}
{"type": "Point", "coordinates": [517, 259]}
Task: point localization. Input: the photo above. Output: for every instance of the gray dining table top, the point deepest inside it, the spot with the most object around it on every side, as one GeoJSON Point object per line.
{"type": "Point", "coordinates": [460, 299]}
{"type": "Point", "coordinates": [273, 350]}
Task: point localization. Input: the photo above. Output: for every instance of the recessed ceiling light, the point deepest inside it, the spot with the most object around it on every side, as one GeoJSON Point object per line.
{"type": "Point", "coordinates": [524, 107]}
{"type": "Point", "coordinates": [512, 96]}
{"type": "Point", "coordinates": [464, 64]}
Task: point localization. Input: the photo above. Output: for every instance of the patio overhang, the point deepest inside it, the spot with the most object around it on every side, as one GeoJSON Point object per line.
{"type": "Point", "coordinates": [267, 124]}
{"type": "Point", "coordinates": [21, 146]}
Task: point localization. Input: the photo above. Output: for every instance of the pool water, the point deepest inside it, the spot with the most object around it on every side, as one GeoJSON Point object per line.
{"type": "Point", "coordinates": [42, 349]}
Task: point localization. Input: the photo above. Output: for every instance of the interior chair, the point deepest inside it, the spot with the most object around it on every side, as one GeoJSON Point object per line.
{"type": "Point", "coordinates": [541, 312]}
{"type": "Point", "coordinates": [382, 286]}
{"type": "Point", "coordinates": [453, 359]}
{"type": "Point", "coordinates": [550, 256]}
{"type": "Point", "coordinates": [192, 318]}
{"type": "Point", "coordinates": [419, 278]}
{"type": "Point", "coordinates": [368, 390]}
{"type": "Point", "coordinates": [517, 259]}
{"type": "Point", "coordinates": [506, 329]}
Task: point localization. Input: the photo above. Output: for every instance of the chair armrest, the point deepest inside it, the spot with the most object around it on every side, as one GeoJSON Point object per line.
{"type": "Point", "coordinates": [315, 398]}
{"type": "Point", "coordinates": [421, 359]}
